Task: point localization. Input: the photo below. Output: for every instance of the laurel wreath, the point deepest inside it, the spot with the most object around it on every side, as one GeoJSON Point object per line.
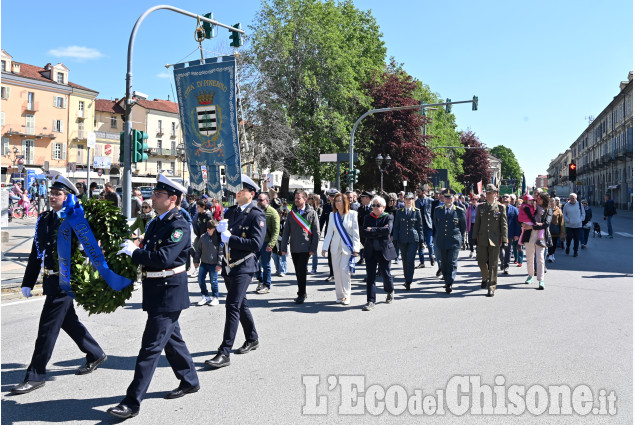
{"type": "Point", "coordinates": [91, 290]}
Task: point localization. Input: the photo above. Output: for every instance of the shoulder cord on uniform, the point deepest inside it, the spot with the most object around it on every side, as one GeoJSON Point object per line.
{"type": "Point", "coordinates": [40, 254]}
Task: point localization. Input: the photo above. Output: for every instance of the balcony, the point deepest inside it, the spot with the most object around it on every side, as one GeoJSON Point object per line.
{"type": "Point", "coordinates": [30, 106]}
{"type": "Point", "coordinates": [160, 131]}
{"type": "Point", "coordinates": [80, 114]}
{"type": "Point", "coordinates": [172, 136]}
{"type": "Point", "coordinates": [31, 132]}
{"type": "Point", "coordinates": [164, 152]}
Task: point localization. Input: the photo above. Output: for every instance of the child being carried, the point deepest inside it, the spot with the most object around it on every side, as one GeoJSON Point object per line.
{"type": "Point", "coordinates": [526, 214]}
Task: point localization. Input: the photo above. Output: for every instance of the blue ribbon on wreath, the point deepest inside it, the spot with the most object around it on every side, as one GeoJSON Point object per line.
{"type": "Point", "coordinates": [75, 221]}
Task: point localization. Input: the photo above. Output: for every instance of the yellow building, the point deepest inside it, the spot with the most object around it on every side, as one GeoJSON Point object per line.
{"type": "Point", "coordinates": [36, 119]}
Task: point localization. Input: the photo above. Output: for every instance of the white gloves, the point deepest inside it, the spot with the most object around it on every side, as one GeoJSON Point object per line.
{"type": "Point", "coordinates": [128, 247]}
{"type": "Point", "coordinates": [222, 226]}
{"type": "Point", "coordinates": [225, 236]}
{"type": "Point", "coordinates": [26, 291]}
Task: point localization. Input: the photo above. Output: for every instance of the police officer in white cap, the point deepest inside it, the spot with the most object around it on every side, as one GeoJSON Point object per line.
{"type": "Point", "coordinates": [163, 257]}
{"type": "Point", "coordinates": [58, 312]}
{"type": "Point", "coordinates": [243, 233]}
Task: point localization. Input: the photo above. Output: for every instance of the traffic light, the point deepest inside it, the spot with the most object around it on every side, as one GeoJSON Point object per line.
{"type": "Point", "coordinates": [346, 176]}
{"type": "Point", "coordinates": [207, 27]}
{"type": "Point", "coordinates": [355, 175]}
{"type": "Point", "coordinates": [139, 146]}
{"type": "Point", "coordinates": [448, 107]}
{"type": "Point", "coordinates": [572, 171]}
{"type": "Point", "coordinates": [475, 103]}
{"type": "Point", "coordinates": [236, 37]}
{"type": "Point", "coordinates": [423, 109]}
{"type": "Point", "coordinates": [121, 149]}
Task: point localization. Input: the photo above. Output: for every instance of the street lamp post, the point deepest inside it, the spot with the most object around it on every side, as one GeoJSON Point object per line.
{"type": "Point", "coordinates": [382, 164]}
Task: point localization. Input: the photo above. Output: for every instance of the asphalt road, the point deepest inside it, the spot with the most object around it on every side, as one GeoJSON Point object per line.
{"type": "Point", "coordinates": [579, 331]}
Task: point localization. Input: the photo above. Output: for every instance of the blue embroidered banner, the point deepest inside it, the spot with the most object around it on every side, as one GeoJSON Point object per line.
{"type": "Point", "coordinates": [75, 221]}
{"type": "Point", "coordinates": [207, 105]}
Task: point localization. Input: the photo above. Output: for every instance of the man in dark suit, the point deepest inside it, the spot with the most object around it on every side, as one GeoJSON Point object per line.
{"type": "Point", "coordinates": [424, 204]}
{"type": "Point", "coordinates": [58, 312]}
{"type": "Point", "coordinates": [243, 235]}
{"type": "Point", "coordinates": [363, 210]}
{"type": "Point", "coordinates": [163, 257]}
{"type": "Point", "coordinates": [449, 221]}
{"type": "Point", "coordinates": [408, 233]}
{"type": "Point", "coordinates": [324, 224]}
{"type": "Point", "coordinates": [378, 250]}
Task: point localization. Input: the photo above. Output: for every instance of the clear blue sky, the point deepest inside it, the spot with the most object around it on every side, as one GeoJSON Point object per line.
{"type": "Point", "coordinates": [539, 68]}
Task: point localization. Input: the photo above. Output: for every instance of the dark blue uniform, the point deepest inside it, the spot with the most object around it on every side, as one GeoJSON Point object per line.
{"type": "Point", "coordinates": [408, 234]}
{"type": "Point", "coordinates": [450, 228]}
{"type": "Point", "coordinates": [58, 311]}
{"type": "Point", "coordinates": [378, 250]}
{"type": "Point", "coordinates": [248, 229]}
{"type": "Point", "coordinates": [166, 246]}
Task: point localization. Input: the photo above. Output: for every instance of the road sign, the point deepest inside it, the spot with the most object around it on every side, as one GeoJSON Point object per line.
{"type": "Point", "coordinates": [108, 150]}
{"type": "Point", "coordinates": [328, 157]}
{"type": "Point", "coordinates": [20, 161]}
{"type": "Point", "coordinates": [100, 171]}
{"type": "Point", "coordinates": [91, 139]}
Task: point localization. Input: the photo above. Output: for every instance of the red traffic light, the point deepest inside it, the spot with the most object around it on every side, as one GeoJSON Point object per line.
{"type": "Point", "coordinates": [572, 167]}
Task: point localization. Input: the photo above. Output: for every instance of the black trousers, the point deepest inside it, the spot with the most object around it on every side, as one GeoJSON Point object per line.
{"type": "Point", "coordinates": [300, 261]}
{"type": "Point", "coordinates": [237, 311]}
{"type": "Point", "coordinates": [162, 332]}
{"type": "Point", "coordinates": [377, 258]}
{"type": "Point", "coordinates": [58, 314]}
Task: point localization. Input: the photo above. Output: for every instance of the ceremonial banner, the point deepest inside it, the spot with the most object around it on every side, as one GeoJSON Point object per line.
{"type": "Point", "coordinates": [207, 106]}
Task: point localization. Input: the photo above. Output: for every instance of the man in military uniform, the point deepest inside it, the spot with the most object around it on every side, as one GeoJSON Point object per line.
{"type": "Point", "coordinates": [163, 257]}
{"type": "Point", "coordinates": [424, 204]}
{"type": "Point", "coordinates": [450, 225]}
{"type": "Point", "coordinates": [408, 233]}
{"type": "Point", "coordinates": [58, 312]}
{"type": "Point", "coordinates": [490, 231]}
{"type": "Point", "coordinates": [243, 235]}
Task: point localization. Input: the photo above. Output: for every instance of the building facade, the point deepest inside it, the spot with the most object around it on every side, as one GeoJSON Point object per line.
{"type": "Point", "coordinates": [37, 122]}
{"type": "Point", "coordinates": [603, 154]}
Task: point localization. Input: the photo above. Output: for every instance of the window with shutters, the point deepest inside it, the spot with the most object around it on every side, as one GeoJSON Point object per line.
{"type": "Point", "coordinates": [4, 66]}
{"type": "Point", "coordinates": [159, 146]}
{"type": "Point", "coordinates": [57, 151]}
{"type": "Point", "coordinates": [160, 128]}
{"type": "Point", "coordinates": [81, 134]}
{"type": "Point", "coordinates": [30, 123]}
{"type": "Point", "coordinates": [60, 77]}
{"type": "Point", "coordinates": [30, 101]}
{"type": "Point", "coordinates": [58, 126]}
{"type": "Point", "coordinates": [59, 102]}
{"type": "Point", "coordinates": [5, 92]}
{"type": "Point", "coordinates": [113, 122]}
{"type": "Point", "coordinates": [173, 167]}
{"type": "Point", "coordinates": [5, 146]}
{"type": "Point", "coordinates": [28, 150]}
{"type": "Point", "coordinates": [80, 111]}
{"type": "Point", "coordinates": [159, 166]}
{"type": "Point", "coordinates": [173, 129]}
{"type": "Point", "coordinates": [2, 116]}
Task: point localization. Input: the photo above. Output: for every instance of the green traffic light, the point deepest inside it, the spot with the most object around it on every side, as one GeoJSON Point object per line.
{"type": "Point", "coordinates": [121, 149]}
{"type": "Point", "coordinates": [140, 146]}
{"type": "Point", "coordinates": [207, 27]}
{"type": "Point", "coordinates": [475, 103]}
{"type": "Point", "coordinates": [236, 37]}
{"type": "Point", "coordinates": [448, 107]}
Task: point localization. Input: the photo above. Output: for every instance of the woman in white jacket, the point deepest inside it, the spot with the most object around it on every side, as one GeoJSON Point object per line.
{"type": "Point", "coordinates": [343, 251]}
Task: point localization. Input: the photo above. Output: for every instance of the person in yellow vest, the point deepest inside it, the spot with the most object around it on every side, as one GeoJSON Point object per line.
{"type": "Point", "coordinates": [490, 231]}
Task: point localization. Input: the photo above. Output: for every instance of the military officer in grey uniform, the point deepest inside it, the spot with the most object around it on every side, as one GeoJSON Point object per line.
{"type": "Point", "coordinates": [450, 225]}
{"type": "Point", "coordinates": [243, 235]}
{"type": "Point", "coordinates": [407, 231]}
{"type": "Point", "coordinates": [163, 257]}
{"type": "Point", "coordinates": [490, 231]}
{"type": "Point", "coordinates": [58, 312]}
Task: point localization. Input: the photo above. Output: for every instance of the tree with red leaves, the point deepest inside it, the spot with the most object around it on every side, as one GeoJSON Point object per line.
{"type": "Point", "coordinates": [397, 133]}
{"type": "Point", "coordinates": [475, 162]}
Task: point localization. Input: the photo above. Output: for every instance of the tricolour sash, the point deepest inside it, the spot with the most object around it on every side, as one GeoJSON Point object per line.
{"type": "Point", "coordinates": [74, 221]}
{"type": "Point", "coordinates": [301, 221]}
{"type": "Point", "coordinates": [339, 224]}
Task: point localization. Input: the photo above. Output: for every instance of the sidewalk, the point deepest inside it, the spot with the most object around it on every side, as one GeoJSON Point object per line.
{"type": "Point", "coordinates": [15, 251]}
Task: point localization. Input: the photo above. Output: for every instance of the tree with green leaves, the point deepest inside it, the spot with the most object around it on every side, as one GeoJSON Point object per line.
{"type": "Point", "coordinates": [308, 59]}
{"type": "Point", "coordinates": [509, 165]}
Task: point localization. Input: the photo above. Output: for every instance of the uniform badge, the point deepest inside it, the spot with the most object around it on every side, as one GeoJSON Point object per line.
{"type": "Point", "coordinates": [244, 235]}
{"type": "Point", "coordinates": [262, 223]}
{"type": "Point", "coordinates": [177, 235]}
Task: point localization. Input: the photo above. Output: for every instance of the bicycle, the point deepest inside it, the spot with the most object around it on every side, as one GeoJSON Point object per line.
{"type": "Point", "coordinates": [17, 211]}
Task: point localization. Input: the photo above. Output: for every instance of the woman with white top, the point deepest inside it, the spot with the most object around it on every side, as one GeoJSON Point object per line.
{"type": "Point", "coordinates": [342, 239]}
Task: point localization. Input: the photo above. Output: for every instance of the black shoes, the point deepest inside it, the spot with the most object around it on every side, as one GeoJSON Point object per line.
{"type": "Point", "coordinates": [407, 285]}
{"type": "Point", "coordinates": [575, 254]}
{"type": "Point", "coordinates": [300, 299]}
{"type": "Point", "coordinates": [490, 293]}
{"type": "Point", "coordinates": [122, 411]}
{"type": "Point", "coordinates": [421, 266]}
{"type": "Point", "coordinates": [27, 387]}
{"type": "Point", "coordinates": [180, 392]}
{"type": "Point", "coordinates": [90, 366]}
{"type": "Point", "coordinates": [248, 346]}
{"type": "Point", "coordinates": [566, 251]}
{"type": "Point", "coordinates": [218, 361]}
{"type": "Point", "coordinates": [389, 298]}
{"type": "Point", "coordinates": [448, 289]}
{"type": "Point", "coordinates": [329, 278]}
{"type": "Point", "coordinates": [483, 284]}
{"type": "Point", "coordinates": [432, 261]}
{"type": "Point", "coordinates": [439, 272]}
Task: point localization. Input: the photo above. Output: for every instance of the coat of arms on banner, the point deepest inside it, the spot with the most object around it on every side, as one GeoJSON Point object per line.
{"type": "Point", "coordinates": [207, 120]}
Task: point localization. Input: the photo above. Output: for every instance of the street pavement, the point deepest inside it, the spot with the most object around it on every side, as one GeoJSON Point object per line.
{"type": "Point", "coordinates": [579, 331]}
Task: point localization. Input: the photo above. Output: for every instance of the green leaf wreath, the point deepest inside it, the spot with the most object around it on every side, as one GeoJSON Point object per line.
{"type": "Point", "coordinates": [110, 228]}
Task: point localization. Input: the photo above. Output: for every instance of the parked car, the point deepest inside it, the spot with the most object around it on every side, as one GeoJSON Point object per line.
{"type": "Point", "coordinates": [146, 191]}
{"type": "Point", "coordinates": [97, 190]}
